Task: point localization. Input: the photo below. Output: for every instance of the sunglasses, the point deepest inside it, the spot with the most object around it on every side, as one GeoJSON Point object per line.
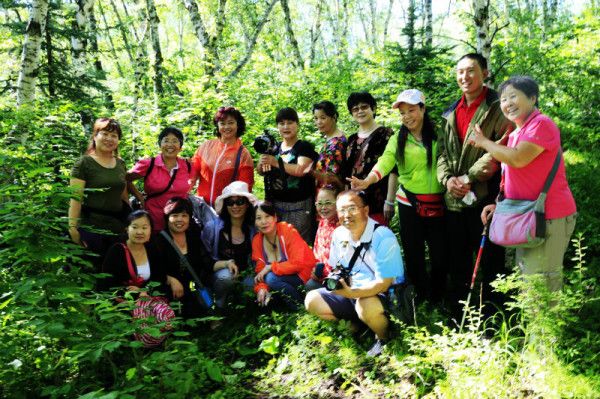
{"type": "Point", "coordinates": [238, 202]}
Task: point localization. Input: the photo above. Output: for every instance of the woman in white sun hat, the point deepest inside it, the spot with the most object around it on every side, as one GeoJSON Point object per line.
{"type": "Point", "coordinates": [413, 149]}
{"type": "Point", "coordinates": [229, 239]}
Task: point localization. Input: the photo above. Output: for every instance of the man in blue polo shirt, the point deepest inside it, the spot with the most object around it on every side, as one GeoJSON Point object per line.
{"type": "Point", "coordinates": [372, 254]}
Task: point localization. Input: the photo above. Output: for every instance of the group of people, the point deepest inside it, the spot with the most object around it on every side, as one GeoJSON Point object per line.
{"type": "Point", "coordinates": [443, 177]}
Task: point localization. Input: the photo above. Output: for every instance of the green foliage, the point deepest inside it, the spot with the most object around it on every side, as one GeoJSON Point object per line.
{"type": "Point", "coordinates": [59, 337]}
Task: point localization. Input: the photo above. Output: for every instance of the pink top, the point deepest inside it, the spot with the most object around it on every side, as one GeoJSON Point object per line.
{"type": "Point", "coordinates": [322, 244]}
{"type": "Point", "coordinates": [157, 182]}
{"type": "Point", "coordinates": [526, 183]}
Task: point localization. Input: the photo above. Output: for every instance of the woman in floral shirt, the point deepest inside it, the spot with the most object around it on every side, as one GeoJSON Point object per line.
{"type": "Point", "coordinates": [333, 153]}
{"type": "Point", "coordinates": [364, 149]}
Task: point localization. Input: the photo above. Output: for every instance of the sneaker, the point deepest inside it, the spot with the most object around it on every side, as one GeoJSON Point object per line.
{"type": "Point", "coordinates": [377, 348]}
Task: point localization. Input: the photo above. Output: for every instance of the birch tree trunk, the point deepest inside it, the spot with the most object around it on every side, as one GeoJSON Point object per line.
{"type": "Point", "coordinates": [315, 33]}
{"type": "Point", "coordinates": [121, 29]}
{"type": "Point", "coordinates": [49, 60]}
{"type": "Point", "coordinates": [79, 40]}
{"type": "Point", "coordinates": [290, 33]}
{"type": "Point", "coordinates": [428, 24]}
{"type": "Point", "coordinates": [110, 41]}
{"type": "Point", "coordinates": [31, 52]}
{"type": "Point", "coordinates": [481, 17]}
{"type": "Point", "coordinates": [252, 43]}
{"type": "Point", "coordinates": [153, 22]}
{"type": "Point", "coordinates": [373, 16]}
{"type": "Point", "coordinates": [388, 17]}
{"type": "Point", "coordinates": [209, 43]}
{"type": "Point", "coordinates": [409, 29]}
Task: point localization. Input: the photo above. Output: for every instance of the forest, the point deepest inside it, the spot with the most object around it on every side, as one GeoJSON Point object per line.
{"type": "Point", "coordinates": [154, 63]}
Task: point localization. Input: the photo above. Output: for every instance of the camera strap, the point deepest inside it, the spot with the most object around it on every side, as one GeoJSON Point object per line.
{"type": "Point", "coordinates": [358, 250]}
{"type": "Point", "coordinates": [184, 261]}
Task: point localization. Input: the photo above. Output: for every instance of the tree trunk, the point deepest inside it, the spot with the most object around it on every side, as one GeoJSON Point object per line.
{"type": "Point", "coordinates": [122, 30]}
{"type": "Point", "coordinates": [290, 33]}
{"type": "Point", "coordinates": [50, 60]}
{"type": "Point", "coordinates": [428, 24]}
{"type": "Point", "coordinates": [208, 58]}
{"type": "Point", "coordinates": [373, 16]}
{"type": "Point", "coordinates": [250, 47]}
{"type": "Point", "coordinates": [409, 29]}
{"type": "Point", "coordinates": [80, 37]}
{"type": "Point", "coordinates": [140, 66]}
{"type": "Point", "coordinates": [110, 104]}
{"type": "Point", "coordinates": [112, 44]}
{"type": "Point", "coordinates": [315, 33]}
{"type": "Point", "coordinates": [153, 22]}
{"type": "Point", "coordinates": [31, 52]}
{"type": "Point", "coordinates": [481, 18]}
{"type": "Point", "coordinates": [388, 17]}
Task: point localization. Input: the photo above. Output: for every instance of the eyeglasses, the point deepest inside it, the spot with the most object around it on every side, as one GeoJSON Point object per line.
{"type": "Point", "coordinates": [362, 107]}
{"type": "Point", "coordinates": [232, 202]}
{"type": "Point", "coordinates": [324, 203]}
{"type": "Point", "coordinates": [349, 210]}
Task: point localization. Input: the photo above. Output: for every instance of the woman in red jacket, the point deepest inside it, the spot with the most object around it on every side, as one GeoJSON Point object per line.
{"type": "Point", "coordinates": [223, 160]}
{"type": "Point", "coordinates": [283, 259]}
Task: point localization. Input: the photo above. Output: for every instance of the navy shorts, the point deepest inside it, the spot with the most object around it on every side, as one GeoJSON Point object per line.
{"type": "Point", "coordinates": [345, 308]}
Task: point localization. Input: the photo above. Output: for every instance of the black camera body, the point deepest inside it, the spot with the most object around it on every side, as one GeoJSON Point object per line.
{"type": "Point", "coordinates": [265, 143]}
{"type": "Point", "coordinates": [339, 272]}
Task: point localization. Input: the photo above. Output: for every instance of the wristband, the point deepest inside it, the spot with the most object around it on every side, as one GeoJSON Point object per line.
{"type": "Point", "coordinates": [389, 203]}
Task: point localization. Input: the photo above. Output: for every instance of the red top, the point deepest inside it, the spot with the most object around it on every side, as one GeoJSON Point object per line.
{"type": "Point", "coordinates": [527, 182]}
{"type": "Point", "coordinates": [297, 256]}
{"type": "Point", "coordinates": [213, 163]}
{"type": "Point", "coordinates": [322, 244]}
{"type": "Point", "coordinates": [157, 181]}
{"type": "Point", "coordinates": [464, 113]}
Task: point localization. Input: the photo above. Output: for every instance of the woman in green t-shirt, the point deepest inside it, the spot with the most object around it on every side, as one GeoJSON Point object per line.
{"type": "Point", "coordinates": [419, 197]}
{"type": "Point", "coordinates": [96, 216]}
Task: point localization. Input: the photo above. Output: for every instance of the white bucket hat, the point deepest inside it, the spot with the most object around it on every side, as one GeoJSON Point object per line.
{"type": "Point", "coordinates": [235, 189]}
{"type": "Point", "coordinates": [410, 96]}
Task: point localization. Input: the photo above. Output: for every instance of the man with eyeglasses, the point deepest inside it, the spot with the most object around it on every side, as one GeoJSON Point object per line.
{"type": "Point", "coordinates": [370, 253]}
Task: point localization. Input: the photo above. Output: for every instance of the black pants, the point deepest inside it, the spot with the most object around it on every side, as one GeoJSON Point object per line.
{"type": "Point", "coordinates": [415, 231]}
{"type": "Point", "coordinates": [464, 230]}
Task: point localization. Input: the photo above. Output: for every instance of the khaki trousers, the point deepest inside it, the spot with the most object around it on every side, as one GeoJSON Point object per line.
{"type": "Point", "coordinates": [546, 260]}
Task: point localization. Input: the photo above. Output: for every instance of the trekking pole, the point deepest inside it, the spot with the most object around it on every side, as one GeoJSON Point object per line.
{"type": "Point", "coordinates": [477, 261]}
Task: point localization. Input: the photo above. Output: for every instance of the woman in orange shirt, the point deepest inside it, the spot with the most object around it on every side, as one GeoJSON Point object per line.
{"type": "Point", "coordinates": [223, 160]}
{"type": "Point", "coordinates": [283, 259]}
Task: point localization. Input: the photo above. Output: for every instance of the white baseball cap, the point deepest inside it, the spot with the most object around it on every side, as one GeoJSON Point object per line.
{"type": "Point", "coordinates": [410, 96]}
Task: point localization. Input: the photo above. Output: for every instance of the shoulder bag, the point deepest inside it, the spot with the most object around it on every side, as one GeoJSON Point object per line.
{"type": "Point", "coordinates": [522, 223]}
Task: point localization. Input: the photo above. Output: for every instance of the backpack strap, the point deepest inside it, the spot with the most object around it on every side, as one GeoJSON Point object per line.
{"type": "Point", "coordinates": [237, 164]}
{"type": "Point", "coordinates": [169, 184]}
{"type": "Point", "coordinates": [150, 167]}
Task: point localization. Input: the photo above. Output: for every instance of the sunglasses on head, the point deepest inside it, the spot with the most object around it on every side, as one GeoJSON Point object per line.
{"type": "Point", "coordinates": [232, 202]}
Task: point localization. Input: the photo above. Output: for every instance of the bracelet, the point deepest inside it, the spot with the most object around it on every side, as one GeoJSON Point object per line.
{"type": "Point", "coordinates": [389, 203]}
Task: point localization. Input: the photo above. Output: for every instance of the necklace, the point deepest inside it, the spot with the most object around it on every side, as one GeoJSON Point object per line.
{"type": "Point", "coordinates": [273, 244]}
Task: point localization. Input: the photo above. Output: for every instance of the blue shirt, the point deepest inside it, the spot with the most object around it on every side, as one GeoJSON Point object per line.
{"type": "Point", "coordinates": [381, 259]}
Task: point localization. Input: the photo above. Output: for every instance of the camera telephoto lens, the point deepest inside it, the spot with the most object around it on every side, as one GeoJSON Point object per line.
{"type": "Point", "coordinates": [332, 284]}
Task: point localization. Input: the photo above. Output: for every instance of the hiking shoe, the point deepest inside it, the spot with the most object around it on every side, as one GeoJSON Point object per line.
{"type": "Point", "coordinates": [377, 348]}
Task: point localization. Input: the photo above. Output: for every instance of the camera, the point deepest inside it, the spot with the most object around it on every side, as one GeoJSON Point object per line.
{"type": "Point", "coordinates": [265, 143]}
{"type": "Point", "coordinates": [332, 282]}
